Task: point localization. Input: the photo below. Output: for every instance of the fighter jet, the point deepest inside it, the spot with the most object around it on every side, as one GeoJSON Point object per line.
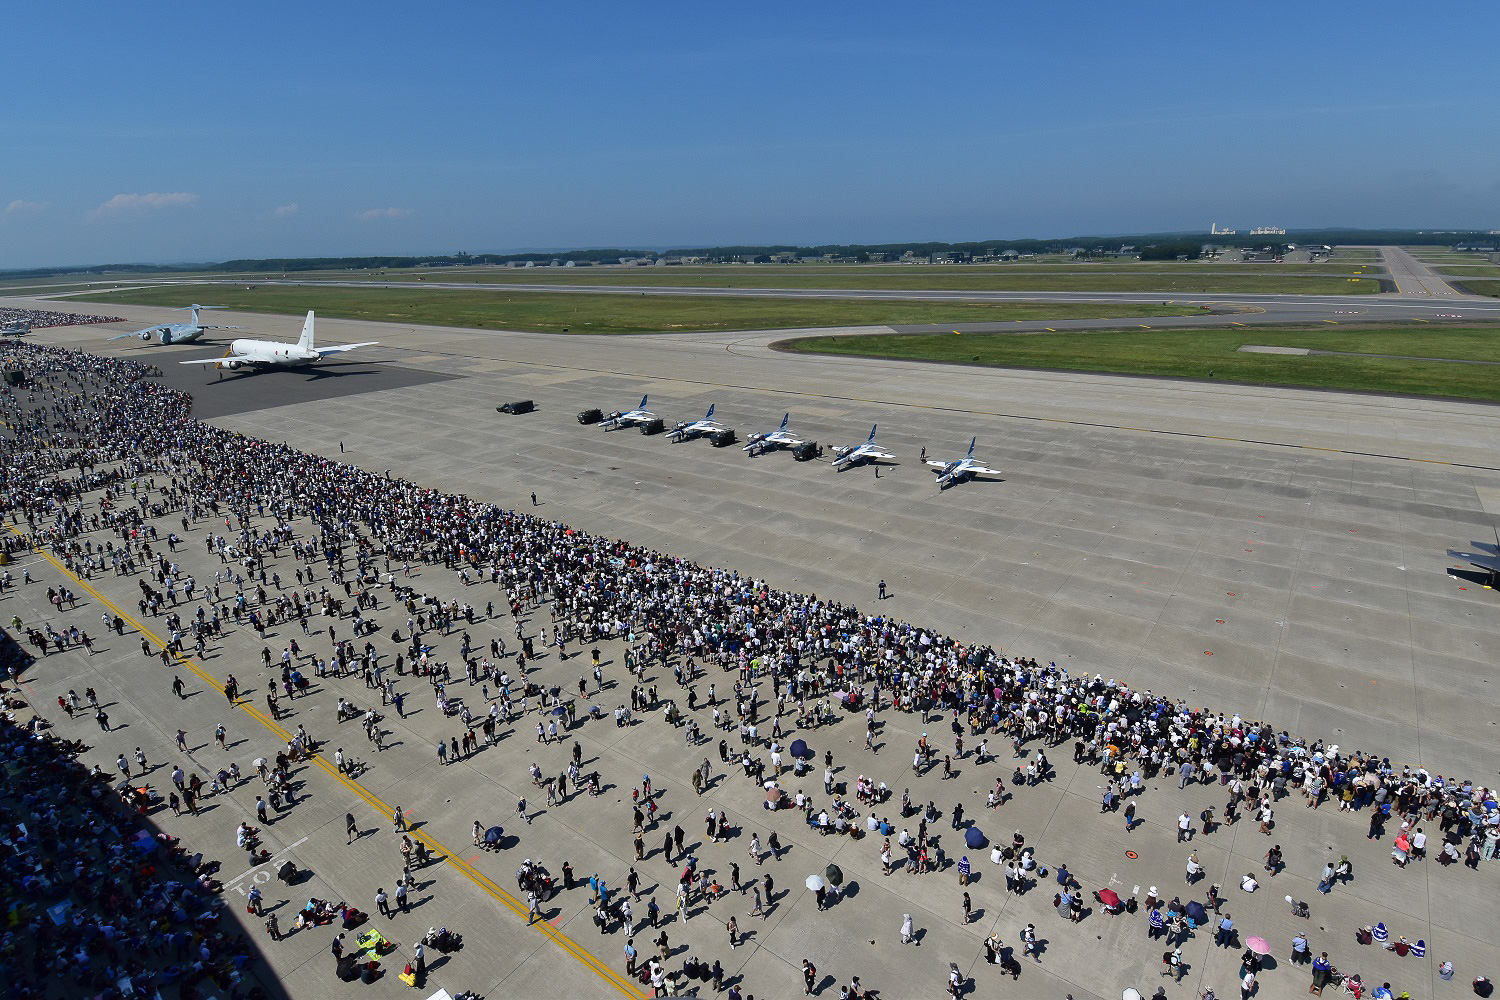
{"type": "Point", "coordinates": [177, 333]}
{"type": "Point", "coordinates": [629, 418]}
{"type": "Point", "coordinates": [967, 467]}
{"type": "Point", "coordinates": [1487, 558]}
{"type": "Point", "coordinates": [687, 430]}
{"type": "Point", "coordinates": [779, 438]}
{"type": "Point", "coordinates": [855, 454]}
{"type": "Point", "coordinates": [262, 354]}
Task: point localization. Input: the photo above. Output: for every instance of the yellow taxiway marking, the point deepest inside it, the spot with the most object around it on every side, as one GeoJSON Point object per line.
{"type": "Point", "coordinates": [485, 884]}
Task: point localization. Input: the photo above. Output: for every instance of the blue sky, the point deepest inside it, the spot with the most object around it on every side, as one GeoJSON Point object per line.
{"type": "Point", "coordinates": [157, 132]}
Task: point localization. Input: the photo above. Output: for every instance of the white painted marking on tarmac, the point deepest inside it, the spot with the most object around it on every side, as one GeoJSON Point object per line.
{"type": "Point", "coordinates": [273, 857]}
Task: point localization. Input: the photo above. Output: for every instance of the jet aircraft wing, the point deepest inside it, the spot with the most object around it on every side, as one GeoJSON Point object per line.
{"type": "Point", "coordinates": [341, 348]}
{"type": "Point", "coordinates": [243, 358]}
{"type": "Point", "coordinates": [1482, 560]}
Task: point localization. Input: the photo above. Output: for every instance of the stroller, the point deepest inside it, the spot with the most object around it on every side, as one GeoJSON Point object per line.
{"type": "Point", "coordinates": [443, 940]}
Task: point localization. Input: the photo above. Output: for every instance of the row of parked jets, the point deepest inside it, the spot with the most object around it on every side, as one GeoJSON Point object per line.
{"type": "Point", "coordinates": [846, 457]}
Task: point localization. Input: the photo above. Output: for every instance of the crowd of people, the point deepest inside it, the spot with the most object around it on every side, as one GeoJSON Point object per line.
{"type": "Point", "coordinates": [39, 319]}
{"type": "Point", "coordinates": [99, 903]}
{"type": "Point", "coordinates": [88, 424]}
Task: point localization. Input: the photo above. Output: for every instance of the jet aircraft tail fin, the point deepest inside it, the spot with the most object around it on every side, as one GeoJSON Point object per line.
{"type": "Point", "coordinates": [305, 342]}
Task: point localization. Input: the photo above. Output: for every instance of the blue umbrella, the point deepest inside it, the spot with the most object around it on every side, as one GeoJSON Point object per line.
{"type": "Point", "coordinates": [493, 835]}
{"type": "Point", "coordinates": [801, 750]}
{"type": "Point", "coordinates": [1197, 913]}
{"type": "Point", "coordinates": [975, 838]}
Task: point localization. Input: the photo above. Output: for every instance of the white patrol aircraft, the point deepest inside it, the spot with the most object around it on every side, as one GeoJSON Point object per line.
{"type": "Point", "coordinates": [177, 333]}
{"type": "Point", "coordinates": [687, 430]}
{"type": "Point", "coordinates": [854, 454]}
{"type": "Point", "coordinates": [949, 473]}
{"type": "Point", "coordinates": [779, 438]}
{"type": "Point", "coordinates": [629, 418]}
{"type": "Point", "coordinates": [260, 354]}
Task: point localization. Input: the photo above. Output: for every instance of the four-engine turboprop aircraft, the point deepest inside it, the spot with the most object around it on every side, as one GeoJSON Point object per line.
{"type": "Point", "coordinates": [261, 354]}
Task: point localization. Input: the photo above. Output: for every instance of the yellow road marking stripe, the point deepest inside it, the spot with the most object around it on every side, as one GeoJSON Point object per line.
{"type": "Point", "coordinates": [482, 881]}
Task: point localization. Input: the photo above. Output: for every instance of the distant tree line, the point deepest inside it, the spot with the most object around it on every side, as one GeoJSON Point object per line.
{"type": "Point", "coordinates": [1153, 246]}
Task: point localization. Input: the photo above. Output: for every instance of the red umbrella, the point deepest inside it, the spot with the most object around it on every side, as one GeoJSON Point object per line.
{"type": "Point", "coordinates": [1109, 897]}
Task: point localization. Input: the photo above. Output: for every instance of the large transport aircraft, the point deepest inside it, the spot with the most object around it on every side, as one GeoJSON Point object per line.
{"type": "Point", "coordinates": [177, 333]}
{"type": "Point", "coordinates": [261, 354]}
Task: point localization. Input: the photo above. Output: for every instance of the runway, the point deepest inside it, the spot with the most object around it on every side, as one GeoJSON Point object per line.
{"type": "Point", "coordinates": [1414, 278]}
{"type": "Point", "coordinates": [1261, 308]}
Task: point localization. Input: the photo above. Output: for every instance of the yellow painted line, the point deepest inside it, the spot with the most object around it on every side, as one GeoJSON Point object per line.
{"type": "Point", "coordinates": [482, 881]}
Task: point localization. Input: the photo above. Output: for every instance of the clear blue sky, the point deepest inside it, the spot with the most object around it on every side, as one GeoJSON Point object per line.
{"type": "Point", "coordinates": [169, 132]}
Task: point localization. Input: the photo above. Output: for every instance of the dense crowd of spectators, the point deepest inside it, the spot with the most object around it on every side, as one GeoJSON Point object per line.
{"type": "Point", "coordinates": [40, 319]}
{"type": "Point", "coordinates": [99, 903]}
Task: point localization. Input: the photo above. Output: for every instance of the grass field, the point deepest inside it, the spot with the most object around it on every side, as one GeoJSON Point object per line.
{"type": "Point", "coordinates": [1470, 270]}
{"type": "Point", "coordinates": [560, 313]}
{"type": "Point", "coordinates": [1490, 288]}
{"type": "Point", "coordinates": [1215, 354]}
{"type": "Point", "coordinates": [1167, 279]}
